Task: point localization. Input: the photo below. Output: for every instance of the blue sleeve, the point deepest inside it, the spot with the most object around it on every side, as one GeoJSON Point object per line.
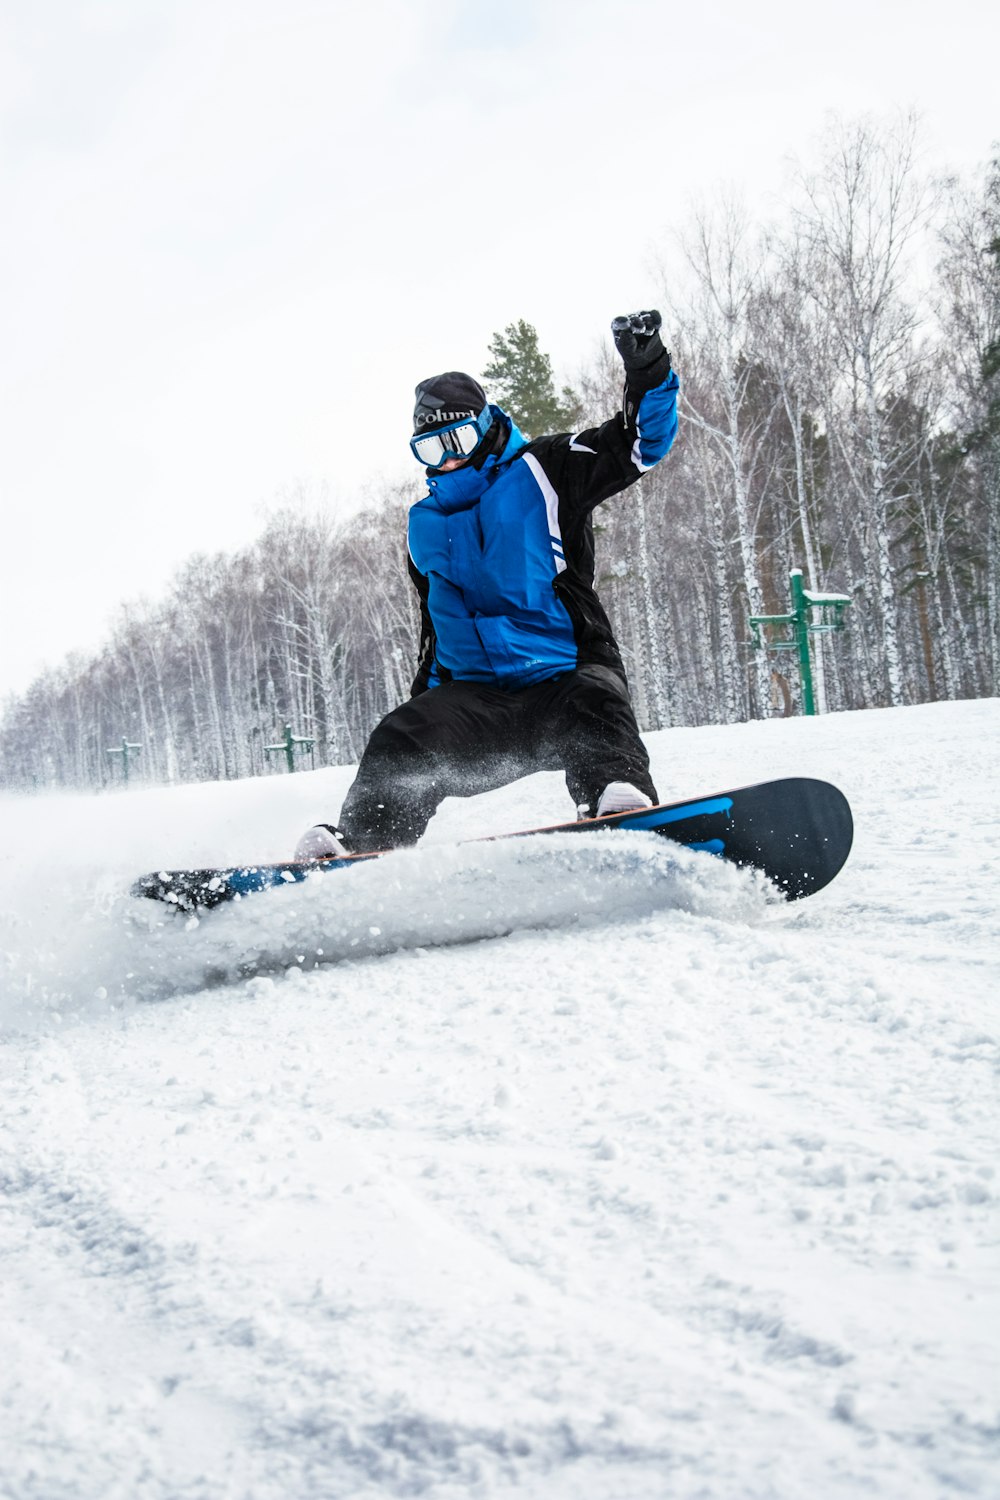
{"type": "Point", "coordinates": [656, 424]}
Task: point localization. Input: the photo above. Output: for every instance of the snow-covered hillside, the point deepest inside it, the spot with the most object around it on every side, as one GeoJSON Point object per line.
{"type": "Point", "coordinates": [669, 1191]}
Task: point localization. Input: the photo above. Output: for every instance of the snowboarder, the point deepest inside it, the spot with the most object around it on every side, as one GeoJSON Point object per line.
{"type": "Point", "coordinates": [518, 668]}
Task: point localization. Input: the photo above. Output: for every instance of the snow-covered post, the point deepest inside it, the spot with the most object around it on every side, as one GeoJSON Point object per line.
{"type": "Point", "coordinates": [799, 608]}
{"type": "Point", "coordinates": [124, 750]}
{"type": "Point", "coordinates": [289, 744]}
{"type": "Point", "coordinates": [803, 602]}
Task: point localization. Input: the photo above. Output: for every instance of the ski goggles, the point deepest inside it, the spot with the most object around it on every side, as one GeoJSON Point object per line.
{"type": "Point", "coordinates": [457, 440]}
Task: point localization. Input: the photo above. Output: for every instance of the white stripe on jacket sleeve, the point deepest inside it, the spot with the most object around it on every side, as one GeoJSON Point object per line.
{"type": "Point", "coordinates": [551, 508]}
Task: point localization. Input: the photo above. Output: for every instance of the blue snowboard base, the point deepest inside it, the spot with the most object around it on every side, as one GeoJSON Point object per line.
{"type": "Point", "coordinates": [798, 831]}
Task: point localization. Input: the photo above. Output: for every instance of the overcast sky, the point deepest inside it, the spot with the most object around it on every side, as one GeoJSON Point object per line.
{"type": "Point", "coordinates": [236, 233]}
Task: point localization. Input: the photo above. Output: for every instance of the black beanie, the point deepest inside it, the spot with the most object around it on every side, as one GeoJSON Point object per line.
{"type": "Point", "coordinates": [446, 398]}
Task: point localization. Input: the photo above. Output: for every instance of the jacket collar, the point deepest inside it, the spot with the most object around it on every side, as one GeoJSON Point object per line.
{"type": "Point", "coordinates": [460, 488]}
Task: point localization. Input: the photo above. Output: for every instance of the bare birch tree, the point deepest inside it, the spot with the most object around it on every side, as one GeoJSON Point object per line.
{"type": "Point", "coordinates": [862, 211]}
{"type": "Point", "coordinates": [719, 394]}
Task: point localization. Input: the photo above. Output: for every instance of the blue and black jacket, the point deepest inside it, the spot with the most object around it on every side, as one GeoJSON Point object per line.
{"type": "Point", "coordinates": [502, 555]}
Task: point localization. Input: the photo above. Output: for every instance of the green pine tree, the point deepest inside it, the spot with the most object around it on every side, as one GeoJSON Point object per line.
{"type": "Point", "coordinates": [519, 378]}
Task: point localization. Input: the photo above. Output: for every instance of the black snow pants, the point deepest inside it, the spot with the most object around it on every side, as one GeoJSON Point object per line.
{"type": "Point", "coordinates": [466, 737]}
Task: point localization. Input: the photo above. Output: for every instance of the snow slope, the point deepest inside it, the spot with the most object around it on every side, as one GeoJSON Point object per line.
{"type": "Point", "coordinates": [669, 1191]}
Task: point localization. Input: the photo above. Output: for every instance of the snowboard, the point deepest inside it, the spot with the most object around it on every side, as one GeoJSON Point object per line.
{"type": "Point", "coordinates": [797, 830]}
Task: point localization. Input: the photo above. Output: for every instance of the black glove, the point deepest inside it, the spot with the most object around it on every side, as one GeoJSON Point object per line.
{"type": "Point", "coordinates": [637, 339]}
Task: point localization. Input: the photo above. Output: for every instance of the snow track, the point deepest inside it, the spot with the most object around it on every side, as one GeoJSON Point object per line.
{"type": "Point", "coordinates": [668, 1191]}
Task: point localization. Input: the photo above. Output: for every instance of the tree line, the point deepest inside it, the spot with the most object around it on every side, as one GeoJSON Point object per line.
{"type": "Point", "coordinates": [840, 413]}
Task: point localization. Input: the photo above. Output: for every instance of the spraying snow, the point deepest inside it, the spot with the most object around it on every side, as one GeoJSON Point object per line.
{"type": "Point", "coordinates": [557, 1168]}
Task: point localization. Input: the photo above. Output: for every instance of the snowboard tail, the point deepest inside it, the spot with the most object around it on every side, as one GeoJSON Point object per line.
{"type": "Point", "coordinates": [797, 830]}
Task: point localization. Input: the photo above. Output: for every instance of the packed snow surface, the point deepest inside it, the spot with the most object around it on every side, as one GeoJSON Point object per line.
{"type": "Point", "coordinates": [558, 1168]}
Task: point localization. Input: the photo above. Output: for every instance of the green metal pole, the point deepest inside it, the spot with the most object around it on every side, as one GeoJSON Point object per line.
{"type": "Point", "coordinates": [800, 609]}
{"type": "Point", "coordinates": [125, 750]}
{"type": "Point", "coordinates": [289, 744]}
